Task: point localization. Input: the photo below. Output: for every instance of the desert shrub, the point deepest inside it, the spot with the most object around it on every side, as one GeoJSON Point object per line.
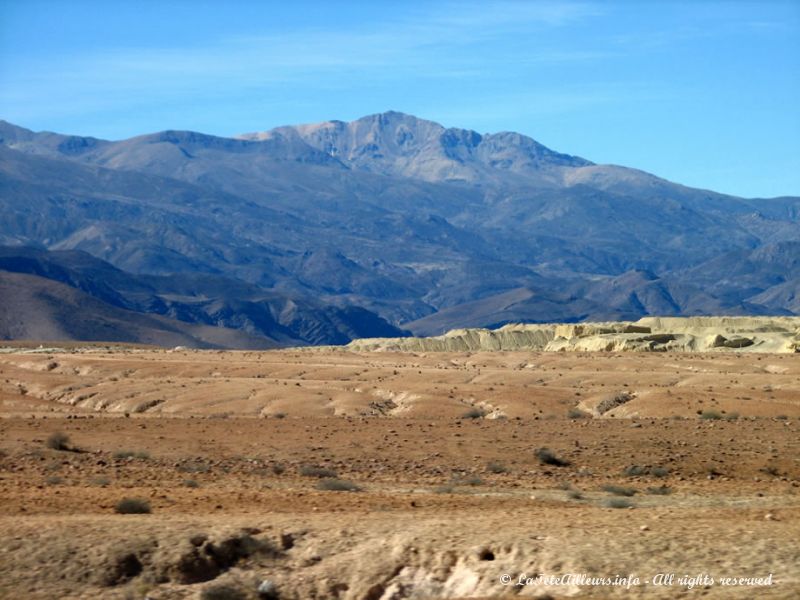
{"type": "Point", "coordinates": [574, 495]}
{"type": "Point", "coordinates": [575, 413]}
{"type": "Point", "coordinates": [732, 416]}
{"type": "Point", "coordinates": [770, 470]}
{"type": "Point", "coordinates": [190, 483]}
{"type": "Point", "coordinates": [54, 480]}
{"type": "Point", "coordinates": [634, 471]}
{"type": "Point", "coordinates": [222, 591]}
{"type": "Point", "coordinates": [312, 471]}
{"type": "Point", "coordinates": [101, 481]}
{"type": "Point", "coordinates": [278, 415]}
{"type": "Point", "coordinates": [194, 467]}
{"type": "Point", "coordinates": [661, 490]}
{"type": "Point", "coordinates": [659, 471]}
{"type": "Point", "coordinates": [618, 490]}
{"type": "Point", "coordinates": [710, 415]}
{"type": "Point", "coordinates": [58, 441]}
{"type": "Point", "coordinates": [473, 413]}
{"type": "Point", "coordinates": [337, 485]}
{"type": "Point", "coordinates": [782, 418]}
{"type": "Point", "coordinates": [132, 506]}
{"type": "Point", "coordinates": [278, 469]}
{"type": "Point", "coordinates": [474, 481]}
{"type": "Point", "coordinates": [496, 467]}
{"type": "Point", "coordinates": [547, 457]}
{"type": "Point", "coordinates": [443, 489]}
{"type": "Point", "coordinates": [617, 503]}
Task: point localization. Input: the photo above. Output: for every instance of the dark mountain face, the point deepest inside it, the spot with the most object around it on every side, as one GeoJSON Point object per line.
{"type": "Point", "coordinates": [393, 215]}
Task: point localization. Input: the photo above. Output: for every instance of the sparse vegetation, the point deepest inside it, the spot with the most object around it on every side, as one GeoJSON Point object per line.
{"type": "Point", "coordinates": [619, 490]}
{"type": "Point", "coordinates": [473, 481]}
{"type": "Point", "coordinates": [474, 413]}
{"type": "Point", "coordinates": [54, 480]}
{"type": "Point", "coordinates": [337, 485]}
{"type": "Point", "coordinates": [132, 506]}
{"type": "Point", "coordinates": [222, 591]}
{"type": "Point", "coordinates": [100, 481]}
{"type": "Point", "coordinates": [443, 489]}
{"type": "Point", "coordinates": [575, 413]}
{"type": "Point", "coordinates": [496, 467]}
{"type": "Point", "coordinates": [640, 471]}
{"type": "Point", "coordinates": [635, 471]}
{"type": "Point", "coordinates": [194, 467]}
{"type": "Point", "coordinates": [58, 441]}
{"type": "Point", "coordinates": [710, 415]}
{"type": "Point", "coordinates": [190, 483]}
{"type": "Point", "coordinates": [278, 469]}
{"type": "Point", "coordinates": [547, 457]}
{"type": "Point", "coordinates": [574, 495]}
{"type": "Point", "coordinates": [618, 503]}
{"type": "Point", "coordinates": [312, 471]}
{"type": "Point", "coordinates": [661, 490]}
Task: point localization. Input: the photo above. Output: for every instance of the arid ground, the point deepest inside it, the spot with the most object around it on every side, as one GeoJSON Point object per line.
{"type": "Point", "coordinates": [376, 476]}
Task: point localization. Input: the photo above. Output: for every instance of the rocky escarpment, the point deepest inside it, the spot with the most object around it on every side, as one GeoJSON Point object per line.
{"type": "Point", "coordinates": [649, 334]}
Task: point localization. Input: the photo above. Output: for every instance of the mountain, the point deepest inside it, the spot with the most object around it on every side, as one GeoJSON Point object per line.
{"type": "Point", "coordinates": [419, 226]}
{"type": "Point", "coordinates": [207, 310]}
{"type": "Point", "coordinates": [37, 308]}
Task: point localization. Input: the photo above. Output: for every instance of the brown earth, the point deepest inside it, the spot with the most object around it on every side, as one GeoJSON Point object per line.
{"type": "Point", "coordinates": [230, 450]}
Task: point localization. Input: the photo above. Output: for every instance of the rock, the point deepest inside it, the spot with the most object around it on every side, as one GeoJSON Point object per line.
{"type": "Point", "coordinates": [267, 590]}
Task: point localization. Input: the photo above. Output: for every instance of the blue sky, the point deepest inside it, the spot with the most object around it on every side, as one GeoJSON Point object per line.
{"type": "Point", "coordinates": [703, 93]}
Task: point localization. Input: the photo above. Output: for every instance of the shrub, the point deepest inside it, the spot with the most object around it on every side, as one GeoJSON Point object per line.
{"type": "Point", "coordinates": [278, 469]}
{"type": "Point", "coordinates": [619, 490]}
{"type": "Point", "coordinates": [312, 471]}
{"type": "Point", "coordinates": [575, 413]}
{"type": "Point", "coordinates": [473, 413]}
{"type": "Point", "coordinates": [58, 441]}
{"type": "Point", "coordinates": [194, 467]}
{"type": "Point", "coordinates": [132, 506]}
{"type": "Point", "coordinates": [471, 481]}
{"type": "Point", "coordinates": [337, 485]}
{"type": "Point", "coordinates": [710, 415]}
{"type": "Point", "coordinates": [661, 490]}
{"type": "Point", "coordinates": [222, 591]}
{"type": "Point", "coordinates": [618, 503]}
{"type": "Point", "coordinates": [659, 471]}
{"type": "Point", "coordinates": [547, 457]}
{"type": "Point", "coordinates": [732, 416]}
{"type": "Point", "coordinates": [574, 495]}
{"type": "Point", "coordinates": [634, 471]}
{"type": "Point", "coordinates": [190, 483]}
{"type": "Point", "coordinates": [54, 480]}
{"type": "Point", "coordinates": [496, 467]}
{"type": "Point", "coordinates": [101, 481]}
{"type": "Point", "coordinates": [443, 489]}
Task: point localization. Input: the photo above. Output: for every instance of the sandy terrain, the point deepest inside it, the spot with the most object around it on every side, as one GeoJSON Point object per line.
{"type": "Point", "coordinates": [230, 450]}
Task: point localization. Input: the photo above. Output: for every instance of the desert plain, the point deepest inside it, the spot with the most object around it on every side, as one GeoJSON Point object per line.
{"type": "Point", "coordinates": [358, 475]}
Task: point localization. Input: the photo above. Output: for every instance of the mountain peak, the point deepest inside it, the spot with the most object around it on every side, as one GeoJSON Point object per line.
{"type": "Point", "coordinates": [402, 145]}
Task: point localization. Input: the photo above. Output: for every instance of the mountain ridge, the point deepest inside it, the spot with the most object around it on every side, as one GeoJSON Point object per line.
{"type": "Point", "coordinates": [404, 218]}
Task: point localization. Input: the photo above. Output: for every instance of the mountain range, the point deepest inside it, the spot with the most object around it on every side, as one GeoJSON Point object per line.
{"type": "Point", "coordinates": [390, 224]}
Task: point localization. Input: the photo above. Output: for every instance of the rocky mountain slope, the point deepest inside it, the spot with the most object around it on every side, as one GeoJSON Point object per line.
{"type": "Point", "coordinates": [427, 227]}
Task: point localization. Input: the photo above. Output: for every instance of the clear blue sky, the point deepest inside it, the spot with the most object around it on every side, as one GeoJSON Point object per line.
{"type": "Point", "coordinates": [703, 93]}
